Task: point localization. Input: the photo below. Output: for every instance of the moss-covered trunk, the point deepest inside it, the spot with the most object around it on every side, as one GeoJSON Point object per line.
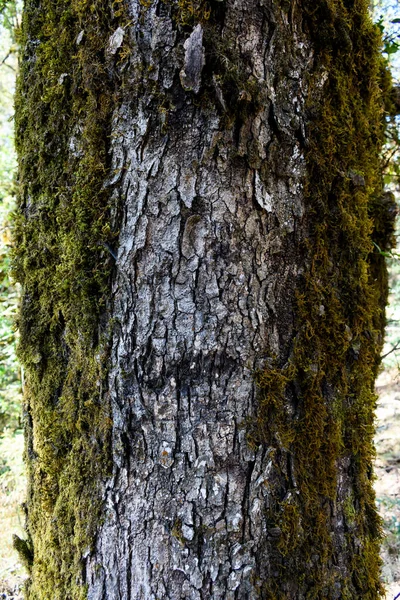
{"type": "Point", "coordinates": [203, 303]}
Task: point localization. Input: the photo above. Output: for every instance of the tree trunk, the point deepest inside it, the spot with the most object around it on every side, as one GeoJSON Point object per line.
{"type": "Point", "coordinates": [202, 304]}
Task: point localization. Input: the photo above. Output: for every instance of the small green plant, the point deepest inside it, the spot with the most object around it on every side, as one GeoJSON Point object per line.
{"type": "Point", "coordinates": [390, 36]}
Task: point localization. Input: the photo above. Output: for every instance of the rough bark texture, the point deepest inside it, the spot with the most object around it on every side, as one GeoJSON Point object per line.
{"type": "Point", "coordinates": [241, 255]}
{"type": "Point", "coordinates": [206, 272]}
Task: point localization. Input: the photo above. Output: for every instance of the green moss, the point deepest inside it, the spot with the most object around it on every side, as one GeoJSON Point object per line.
{"type": "Point", "coordinates": [340, 319]}
{"type": "Point", "coordinates": [25, 551]}
{"type": "Point", "coordinates": [349, 511]}
{"type": "Point", "coordinates": [191, 12]}
{"type": "Point", "coordinates": [177, 532]}
{"type": "Point", "coordinates": [63, 111]}
{"type": "Point", "coordinates": [61, 230]}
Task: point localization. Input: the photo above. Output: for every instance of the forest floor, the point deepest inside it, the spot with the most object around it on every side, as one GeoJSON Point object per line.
{"type": "Point", "coordinates": [387, 485]}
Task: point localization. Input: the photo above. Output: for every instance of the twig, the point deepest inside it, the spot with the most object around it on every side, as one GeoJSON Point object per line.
{"type": "Point", "coordinates": [3, 62]}
{"type": "Point", "coordinates": [390, 352]}
{"type": "Point", "coordinates": [389, 159]}
{"type": "Point", "coordinates": [10, 67]}
{"type": "Point", "coordinates": [5, 58]}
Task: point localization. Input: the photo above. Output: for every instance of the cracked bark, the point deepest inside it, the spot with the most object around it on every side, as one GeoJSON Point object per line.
{"type": "Point", "coordinates": [207, 265]}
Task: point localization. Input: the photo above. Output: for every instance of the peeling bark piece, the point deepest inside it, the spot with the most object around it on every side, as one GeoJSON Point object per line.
{"type": "Point", "coordinates": [115, 41]}
{"type": "Point", "coordinates": [80, 37]}
{"type": "Point", "coordinates": [190, 75]}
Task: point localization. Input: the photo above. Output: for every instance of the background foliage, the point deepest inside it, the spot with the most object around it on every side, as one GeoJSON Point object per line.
{"type": "Point", "coordinates": [12, 479]}
{"type": "Point", "coordinates": [10, 379]}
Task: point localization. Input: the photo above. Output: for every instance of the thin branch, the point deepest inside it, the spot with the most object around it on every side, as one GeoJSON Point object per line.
{"type": "Point", "coordinates": [4, 59]}
{"type": "Point", "coordinates": [388, 160]}
{"type": "Point", "coordinates": [390, 352]}
{"type": "Point", "coordinates": [9, 67]}
{"type": "Point", "coordinates": [3, 62]}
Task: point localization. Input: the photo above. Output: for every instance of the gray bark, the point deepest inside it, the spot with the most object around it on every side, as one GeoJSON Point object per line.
{"type": "Point", "coordinates": [203, 294]}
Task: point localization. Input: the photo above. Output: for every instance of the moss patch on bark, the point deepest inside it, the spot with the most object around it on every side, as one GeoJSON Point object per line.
{"type": "Point", "coordinates": [330, 375]}
{"type": "Point", "coordinates": [64, 101]}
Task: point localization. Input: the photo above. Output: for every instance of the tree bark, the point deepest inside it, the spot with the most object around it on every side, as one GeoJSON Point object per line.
{"type": "Point", "coordinates": [203, 307]}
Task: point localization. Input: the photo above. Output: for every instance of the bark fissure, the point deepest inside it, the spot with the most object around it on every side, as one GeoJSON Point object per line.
{"type": "Point", "coordinates": [202, 241]}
